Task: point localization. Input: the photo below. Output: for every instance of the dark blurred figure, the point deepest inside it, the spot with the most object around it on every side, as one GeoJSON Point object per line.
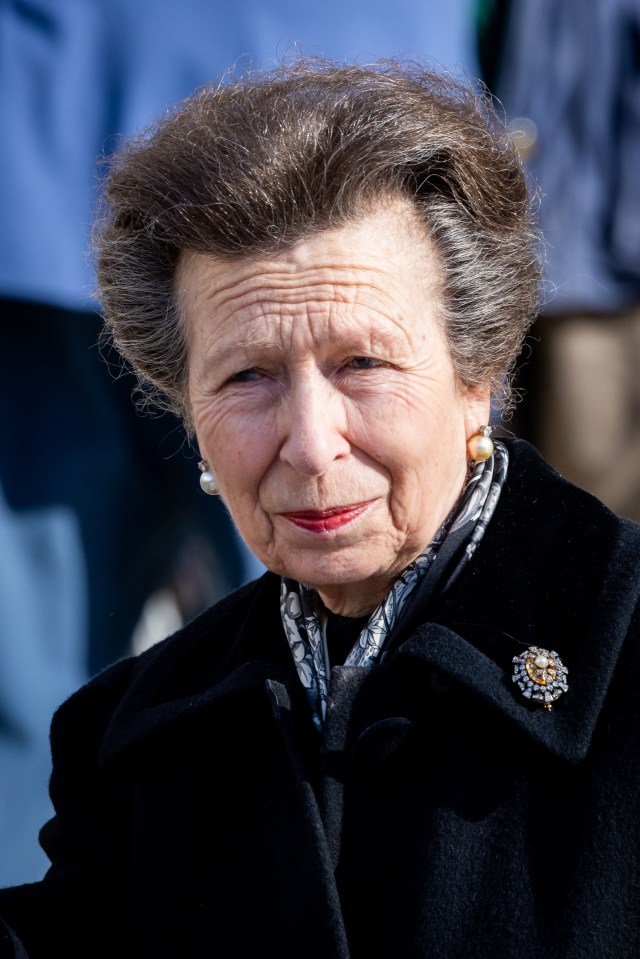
{"type": "Point", "coordinates": [568, 75]}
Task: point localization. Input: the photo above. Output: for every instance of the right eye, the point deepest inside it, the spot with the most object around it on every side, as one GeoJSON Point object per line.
{"type": "Point", "coordinates": [364, 363]}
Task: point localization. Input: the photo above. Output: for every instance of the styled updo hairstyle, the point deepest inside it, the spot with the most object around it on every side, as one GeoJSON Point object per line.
{"type": "Point", "coordinates": [256, 164]}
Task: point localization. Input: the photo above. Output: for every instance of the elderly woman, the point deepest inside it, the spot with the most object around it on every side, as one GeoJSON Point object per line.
{"type": "Point", "coordinates": [417, 735]}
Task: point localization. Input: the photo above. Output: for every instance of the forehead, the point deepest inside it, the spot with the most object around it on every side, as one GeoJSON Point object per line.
{"type": "Point", "coordinates": [377, 269]}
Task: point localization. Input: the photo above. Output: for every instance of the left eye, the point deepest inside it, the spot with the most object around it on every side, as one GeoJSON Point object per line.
{"type": "Point", "coordinates": [245, 376]}
{"type": "Point", "coordinates": [364, 363]}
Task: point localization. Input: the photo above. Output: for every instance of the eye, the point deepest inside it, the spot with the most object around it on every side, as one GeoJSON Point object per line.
{"type": "Point", "coordinates": [364, 363]}
{"type": "Point", "coordinates": [245, 376]}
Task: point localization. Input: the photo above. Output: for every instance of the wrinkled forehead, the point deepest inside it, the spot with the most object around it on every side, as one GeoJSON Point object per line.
{"type": "Point", "coordinates": [368, 288]}
{"type": "Point", "coordinates": [368, 260]}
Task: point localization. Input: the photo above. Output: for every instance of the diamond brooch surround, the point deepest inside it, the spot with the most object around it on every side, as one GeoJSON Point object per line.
{"type": "Point", "coordinates": [540, 675]}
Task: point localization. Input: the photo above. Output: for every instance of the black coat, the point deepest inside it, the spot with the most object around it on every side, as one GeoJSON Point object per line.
{"type": "Point", "coordinates": [441, 815]}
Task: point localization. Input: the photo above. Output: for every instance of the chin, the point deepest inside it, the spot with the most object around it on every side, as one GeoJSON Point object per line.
{"type": "Point", "coordinates": [341, 568]}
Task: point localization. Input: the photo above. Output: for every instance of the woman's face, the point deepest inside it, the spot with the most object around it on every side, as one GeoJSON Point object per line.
{"type": "Point", "coordinates": [324, 398]}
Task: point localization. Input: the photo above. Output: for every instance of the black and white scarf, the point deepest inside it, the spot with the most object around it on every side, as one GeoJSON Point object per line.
{"type": "Point", "coordinates": [303, 615]}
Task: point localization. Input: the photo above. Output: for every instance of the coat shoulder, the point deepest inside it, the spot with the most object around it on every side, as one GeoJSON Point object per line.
{"type": "Point", "coordinates": [545, 522]}
{"type": "Point", "coordinates": [210, 639]}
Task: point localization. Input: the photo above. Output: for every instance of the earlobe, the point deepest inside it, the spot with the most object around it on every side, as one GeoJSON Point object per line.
{"type": "Point", "coordinates": [477, 401]}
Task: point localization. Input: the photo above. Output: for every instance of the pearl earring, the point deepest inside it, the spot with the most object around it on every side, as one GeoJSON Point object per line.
{"type": "Point", "coordinates": [208, 479]}
{"type": "Point", "coordinates": [480, 445]}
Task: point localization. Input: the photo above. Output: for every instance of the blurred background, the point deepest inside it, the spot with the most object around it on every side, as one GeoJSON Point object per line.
{"type": "Point", "coordinates": [106, 541]}
{"type": "Point", "coordinates": [568, 75]}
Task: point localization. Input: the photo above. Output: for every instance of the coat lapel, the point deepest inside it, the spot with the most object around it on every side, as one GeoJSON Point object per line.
{"type": "Point", "coordinates": [206, 667]}
{"type": "Point", "coordinates": [556, 570]}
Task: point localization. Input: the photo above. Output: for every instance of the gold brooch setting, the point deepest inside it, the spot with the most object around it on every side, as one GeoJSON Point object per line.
{"type": "Point", "coordinates": [540, 675]}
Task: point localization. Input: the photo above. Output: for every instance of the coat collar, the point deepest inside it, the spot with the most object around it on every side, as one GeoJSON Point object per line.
{"type": "Point", "coordinates": [224, 660]}
{"type": "Point", "coordinates": [567, 730]}
{"type": "Point", "coordinates": [555, 569]}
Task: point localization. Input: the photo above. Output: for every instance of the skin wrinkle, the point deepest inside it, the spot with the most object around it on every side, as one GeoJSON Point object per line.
{"type": "Point", "coordinates": [298, 288]}
{"type": "Point", "coordinates": [334, 284]}
{"type": "Point", "coordinates": [218, 363]}
{"type": "Point", "coordinates": [308, 427]}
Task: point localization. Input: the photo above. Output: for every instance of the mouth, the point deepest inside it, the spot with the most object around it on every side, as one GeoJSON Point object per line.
{"type": "Point", "coordinates": [327, 520]}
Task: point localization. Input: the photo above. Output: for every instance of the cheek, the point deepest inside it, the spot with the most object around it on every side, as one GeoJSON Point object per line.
{"type": "Point", "coordinates": [241, 458]}
{"type": "Point", "coordinates": [424, 452]}
{"type": "Point", "coordinates": [411, 429]}
{"type": "Point", "coordinates": [238, 447]}
{"type": "Point", "coordinates": [419, 400]}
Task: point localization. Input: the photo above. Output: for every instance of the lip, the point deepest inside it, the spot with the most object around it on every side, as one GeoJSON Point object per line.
{"type": "Point", "coordinates": [327, 520]}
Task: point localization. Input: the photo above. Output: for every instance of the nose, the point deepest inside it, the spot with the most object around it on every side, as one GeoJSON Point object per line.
{"type": "Point", "coordinates": [314, 426]}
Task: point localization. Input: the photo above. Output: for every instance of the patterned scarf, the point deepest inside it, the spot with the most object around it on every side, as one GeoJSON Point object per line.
{"type": "Point", "coordinates": [303, 614]}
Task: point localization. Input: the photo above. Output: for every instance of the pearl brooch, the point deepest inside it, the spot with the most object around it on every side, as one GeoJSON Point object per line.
{"type": "Point", "coordinates": [540, 675]}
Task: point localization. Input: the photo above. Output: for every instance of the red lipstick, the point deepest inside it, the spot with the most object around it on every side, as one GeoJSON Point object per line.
{"type": "Point", "coordinates": [326, 520]}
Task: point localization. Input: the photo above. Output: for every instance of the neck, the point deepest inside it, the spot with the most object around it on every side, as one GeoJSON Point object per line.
{"type": "Point", "coordinates": [351, 600]}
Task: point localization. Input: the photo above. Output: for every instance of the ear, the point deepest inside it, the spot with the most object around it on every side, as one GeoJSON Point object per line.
{"type": "Point", "coordinates": [477, 408]}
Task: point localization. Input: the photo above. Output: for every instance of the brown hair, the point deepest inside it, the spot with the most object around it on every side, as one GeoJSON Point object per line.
{"type": "Point", "coordinates": [259, 163]}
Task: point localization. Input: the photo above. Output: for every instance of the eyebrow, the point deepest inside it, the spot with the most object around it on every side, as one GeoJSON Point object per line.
{"type": "Point", "coordinates": [261, 344]}
{"type": "Point", "coordinates": [387, 339]}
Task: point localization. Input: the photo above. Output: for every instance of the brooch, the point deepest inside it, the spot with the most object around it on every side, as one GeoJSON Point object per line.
{"type": "Point", "coordinates": [540, 675]}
